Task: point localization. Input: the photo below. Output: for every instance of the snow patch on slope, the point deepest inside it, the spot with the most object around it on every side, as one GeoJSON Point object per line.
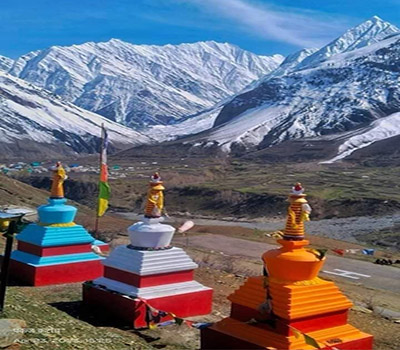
{"type": "Point", "coordinates": [194, 125]}
{"type": "Point", "coordinates": [380, 129]}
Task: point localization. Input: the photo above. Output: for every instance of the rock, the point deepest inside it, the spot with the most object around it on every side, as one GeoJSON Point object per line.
{"type": "Point", "coordinates": [362, 309]}
{"type": "Point", "coordinates": [10, 331]}
{"type": "Point", "coordinates": [387, 313]}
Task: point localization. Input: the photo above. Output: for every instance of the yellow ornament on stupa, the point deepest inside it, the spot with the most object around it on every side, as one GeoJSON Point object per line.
{"type": "Point", "coordinates": [292, 262]}
{"type": "Point", "coordinates": [59, 176]}
{"type": "Point", "coordinates": [155, 197]}
{"type": "Point", "coordinates": [298, 212]}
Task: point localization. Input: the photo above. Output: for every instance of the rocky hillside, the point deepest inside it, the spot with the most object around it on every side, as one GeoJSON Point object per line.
{"type": "Point", "coordinates": [36, 123]}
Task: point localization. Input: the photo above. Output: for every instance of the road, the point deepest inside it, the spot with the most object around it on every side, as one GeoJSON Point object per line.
{"type": "Point", "coordinates": [347, 229]}
{"type": "Point", "coordinates": [380, 277]}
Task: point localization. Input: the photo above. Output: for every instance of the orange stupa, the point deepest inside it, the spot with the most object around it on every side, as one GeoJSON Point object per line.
{"type": "Point", "coordinates": [289, 307]}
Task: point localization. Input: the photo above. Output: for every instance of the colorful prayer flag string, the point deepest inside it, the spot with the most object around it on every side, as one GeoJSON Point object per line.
{"type": "Point", "coordinates": [154, 317]}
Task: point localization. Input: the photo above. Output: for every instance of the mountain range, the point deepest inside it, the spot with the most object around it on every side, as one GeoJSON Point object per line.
{"type": "Point", "coordinates": [344, 94]}
{"type": "Point", "coordinates": [337, 92]}
{"type": "Point", "coordinates": [142, 85]}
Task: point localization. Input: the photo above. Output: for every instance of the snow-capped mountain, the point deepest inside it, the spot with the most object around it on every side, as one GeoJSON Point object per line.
{"type": "Point", "coordinates": [292, 61]}
{"type": "Point", "coordinates": [35, 121]}
{"type": "Point", "coordinates": [367, 33]}
{"type": "Point", "coordinates": [144, 85]}
{"type": "Point", "coordinates": [205, 119]}
{"type": "Point", "coordinates": [345, 91]}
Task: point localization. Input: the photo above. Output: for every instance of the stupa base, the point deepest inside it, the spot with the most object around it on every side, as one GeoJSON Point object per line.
{"type": "Point", "coordinates": [57, 273]}
{"type": "Point", "coordinates": [185, 300]}
{"type": "Point", "coordinates": [231, 334]}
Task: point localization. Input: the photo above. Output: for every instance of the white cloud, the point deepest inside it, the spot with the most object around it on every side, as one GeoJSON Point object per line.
{"type": "Point", "coordinates": [289, 25]}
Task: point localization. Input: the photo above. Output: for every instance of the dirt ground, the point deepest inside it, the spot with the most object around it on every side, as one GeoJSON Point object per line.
{"type": "Point", "coordinates": [66, 298]}
{"type": "Point", "coordinates": [224, 274]}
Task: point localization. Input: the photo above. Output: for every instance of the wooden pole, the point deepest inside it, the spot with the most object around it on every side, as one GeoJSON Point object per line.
{"type": "Point", "coordinates": [12, 228]}
{"type": "Point", "coordinates": [96, 224]}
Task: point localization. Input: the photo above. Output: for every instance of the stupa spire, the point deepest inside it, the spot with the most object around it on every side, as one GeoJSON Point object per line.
{"type": "Point", "coordinates": [59, 176]}
{"type": "Point", "coordinates": [298, 212]}
{"type": "Point", "coordinates": [155, 197]}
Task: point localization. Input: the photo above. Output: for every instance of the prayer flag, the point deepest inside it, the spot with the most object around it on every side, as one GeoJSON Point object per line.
{"type": "Point", "coordinates": [338, 251]}
{"type": "Point", "coordinates": [104, 188]}
{"type": "Point", "coordinates": [352, 251]}
{"type": "Point", "coordinates": [297, 334]}
{"type": "Point", "coordinates": [311, 341]}
{"type": "Point", "coordinates": [368, 251]}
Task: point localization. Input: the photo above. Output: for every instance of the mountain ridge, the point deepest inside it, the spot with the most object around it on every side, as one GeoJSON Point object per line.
{"type": "Point", "coordinates": [343, 92]}
{"type": "Point", "coordinates": [141, 85]}
{"type": "Point", "coordinates": [335, 93]}
{"type": "Point", "coordinates": [368, 32]}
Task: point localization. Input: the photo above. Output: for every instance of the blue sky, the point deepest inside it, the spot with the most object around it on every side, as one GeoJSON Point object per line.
{"type": "Point", "coordinates": [262, 26]}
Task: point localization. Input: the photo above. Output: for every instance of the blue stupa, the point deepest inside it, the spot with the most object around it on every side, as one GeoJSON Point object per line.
{"type": "Point", "coordinates": [55, 249]}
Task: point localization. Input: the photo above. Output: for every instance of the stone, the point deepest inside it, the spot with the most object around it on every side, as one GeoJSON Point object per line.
{"type": "Point", "coordinates": [10, 331]}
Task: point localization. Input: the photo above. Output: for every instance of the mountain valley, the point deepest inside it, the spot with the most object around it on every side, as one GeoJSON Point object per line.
{"type": "Point", "coordinates": [209, 98]}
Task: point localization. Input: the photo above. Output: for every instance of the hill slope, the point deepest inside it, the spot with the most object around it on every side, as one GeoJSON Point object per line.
{"type": "Point", "coordinates": [35, 122]}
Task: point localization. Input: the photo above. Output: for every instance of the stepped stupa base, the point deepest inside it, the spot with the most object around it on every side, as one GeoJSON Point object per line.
{"type": "Point", "coordinates": [45, 265]}
{"type": "Point", "coordinates": [231, 334]}
{"type": "Point", "coordinates": [162, 277]}
{"type": "Point", "coordinates": [36, 276]}
{"type": "Point", "coordinates": [315, 307]}
{"type": "Point", "coordinates": [184, 299]}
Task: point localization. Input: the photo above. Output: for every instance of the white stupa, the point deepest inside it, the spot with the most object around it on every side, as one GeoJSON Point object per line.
{"type": "Point", "coordinates": [149, 269]}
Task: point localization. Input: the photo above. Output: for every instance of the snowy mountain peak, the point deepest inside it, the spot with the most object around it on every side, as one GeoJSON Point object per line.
{"type": "Point", "coordinates": [371, 31]}
{"type": "Point", "coordinates": [376, 19]}
{"type": "Point", "coordinates": [374, 28]}
{"type": "Point", "coordinates": [143, 85]}
{"type": "Point", "coordinates": [298, 56]}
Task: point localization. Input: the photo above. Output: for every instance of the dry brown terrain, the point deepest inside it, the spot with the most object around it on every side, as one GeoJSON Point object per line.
{"type": "Point", "coordinates": [61, 305]}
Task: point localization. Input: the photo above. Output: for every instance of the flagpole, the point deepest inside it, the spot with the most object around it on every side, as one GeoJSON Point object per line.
{"type": "Point", "coordinates": [96, 225]}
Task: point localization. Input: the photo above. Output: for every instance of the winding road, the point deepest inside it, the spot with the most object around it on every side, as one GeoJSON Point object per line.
{"type": "Point", "coordinates": [346, 229]}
